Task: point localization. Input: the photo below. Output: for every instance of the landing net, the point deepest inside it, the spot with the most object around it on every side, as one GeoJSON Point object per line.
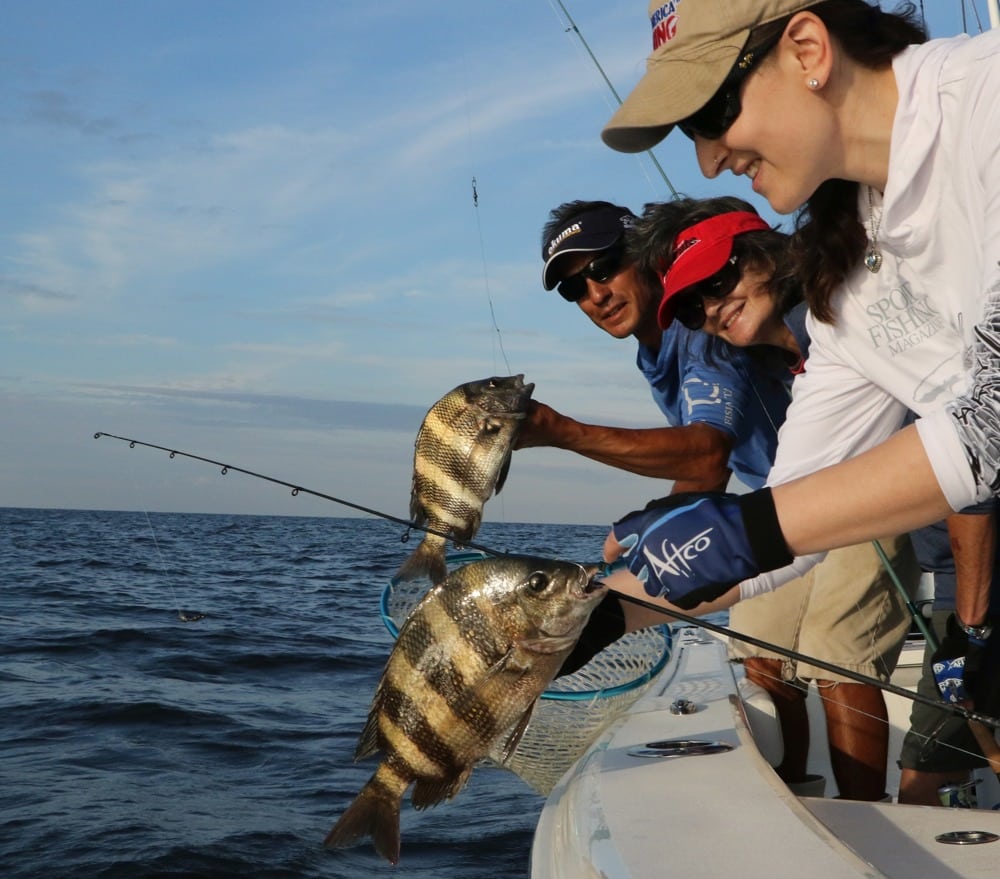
{"type": "Point", "coordinates": [575, 708]}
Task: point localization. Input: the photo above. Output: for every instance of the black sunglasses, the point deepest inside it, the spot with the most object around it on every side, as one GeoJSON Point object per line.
{"type": "Point", "coordinates": [689, 306]}
{"type": "Point", "coordinates": [715, 118]}
{"type": "Point", "coordinates": [601, 268]}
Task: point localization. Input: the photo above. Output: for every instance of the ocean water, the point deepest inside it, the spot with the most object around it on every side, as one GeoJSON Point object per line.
{"type": "Point", "coordinates": [181, 695]}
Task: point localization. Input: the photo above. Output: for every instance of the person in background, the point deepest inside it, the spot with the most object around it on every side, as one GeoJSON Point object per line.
{"type": "Point", "coordinates": [735, 285]}
{"type": "Point", "coordinates": [942, 749]}
{"type": "Point", "coordinates": [860, 621]}
{"type": "Point", "coordinates": [890, 146]}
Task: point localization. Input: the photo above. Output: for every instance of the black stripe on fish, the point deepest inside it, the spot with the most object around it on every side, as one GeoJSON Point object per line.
{"type": "Point", "coordinates": [423, 742]}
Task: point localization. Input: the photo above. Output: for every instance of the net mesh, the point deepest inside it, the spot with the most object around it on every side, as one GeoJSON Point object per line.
{"type": "Point", "coordinates": [575, 708]}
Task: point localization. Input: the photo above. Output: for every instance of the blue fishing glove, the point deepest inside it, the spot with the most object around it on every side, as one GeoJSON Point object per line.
{"type": "Point", "coordinates": [957, 664]}
{"type": "Point", "coordinates": [693, 546]}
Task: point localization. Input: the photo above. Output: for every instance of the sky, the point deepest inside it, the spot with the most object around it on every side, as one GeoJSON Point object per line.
{"type": "Point", "coordinates": [274, 234]}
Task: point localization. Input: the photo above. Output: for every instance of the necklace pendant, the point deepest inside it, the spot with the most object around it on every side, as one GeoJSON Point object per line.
{"type": "Point", "coordinates": [873, 260]}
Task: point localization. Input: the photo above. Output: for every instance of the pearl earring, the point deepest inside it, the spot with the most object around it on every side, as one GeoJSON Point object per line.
{"type": "Point", "coordinates": [813, 84]}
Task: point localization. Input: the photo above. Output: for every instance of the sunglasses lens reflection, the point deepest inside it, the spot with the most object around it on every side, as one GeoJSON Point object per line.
{"type": "Point", "coordinates": [601, 268]}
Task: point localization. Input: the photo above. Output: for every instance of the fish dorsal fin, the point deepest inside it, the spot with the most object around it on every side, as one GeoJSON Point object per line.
{"type": "Point", "coordinates": [368, 740]}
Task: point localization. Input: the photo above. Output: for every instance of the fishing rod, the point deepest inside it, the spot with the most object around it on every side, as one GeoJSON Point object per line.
{"type": "Point", "coordinates": [299, 489]}
{"type": "Point", "coordinates": [604, 570]}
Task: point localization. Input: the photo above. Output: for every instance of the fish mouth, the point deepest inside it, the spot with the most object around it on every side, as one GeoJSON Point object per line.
{"type": "Point", "coordinates": [594, 584]}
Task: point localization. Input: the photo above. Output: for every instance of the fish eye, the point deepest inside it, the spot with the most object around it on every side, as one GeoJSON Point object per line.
{"type": "Point", "coordinates": [537, 582]}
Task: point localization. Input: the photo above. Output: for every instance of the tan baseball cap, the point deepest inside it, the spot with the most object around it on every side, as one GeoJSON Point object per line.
{"type": "Point", "coordinates": [695, 45]}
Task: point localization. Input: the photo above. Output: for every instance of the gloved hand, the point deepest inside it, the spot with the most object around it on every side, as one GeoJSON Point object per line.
{"type": "Point", "coordinates": [958, 663]}
{"type": "Point", "coordinates": [691, 547]}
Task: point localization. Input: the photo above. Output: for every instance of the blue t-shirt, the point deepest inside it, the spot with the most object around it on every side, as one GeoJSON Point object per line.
{"type": "Point", "coordinates": [697, 379]}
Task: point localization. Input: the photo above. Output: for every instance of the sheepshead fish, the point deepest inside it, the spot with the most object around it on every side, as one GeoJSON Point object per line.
{"type": "Point", "coordinates": [469, 664]}
{"type": "Point", "coordinates": [461, 456]}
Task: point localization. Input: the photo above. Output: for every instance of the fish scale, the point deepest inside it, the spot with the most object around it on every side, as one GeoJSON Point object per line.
{"type": "Point", "coordinates": [468, 665]}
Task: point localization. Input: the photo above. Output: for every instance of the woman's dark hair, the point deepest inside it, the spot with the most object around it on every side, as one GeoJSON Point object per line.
{"type": "Point", "coordinates": [829, 239]}
{"type": "Point", "coordinates": [651, 242]}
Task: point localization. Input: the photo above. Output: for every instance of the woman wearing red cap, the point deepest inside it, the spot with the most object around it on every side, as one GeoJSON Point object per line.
{"type": "Point", "coordinates": [723, 258]}
{"type": "Point", "coordinates": [890, 144]}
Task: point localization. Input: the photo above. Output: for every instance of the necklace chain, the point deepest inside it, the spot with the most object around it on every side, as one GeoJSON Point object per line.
{"type": "Point", "coordinates": [873, 256]}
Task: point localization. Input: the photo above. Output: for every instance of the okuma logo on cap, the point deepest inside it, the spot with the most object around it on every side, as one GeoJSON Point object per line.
{"type": "Point", "coordinates": [562, 236]}
{"type": "Point", "coordinates": [664, 23]}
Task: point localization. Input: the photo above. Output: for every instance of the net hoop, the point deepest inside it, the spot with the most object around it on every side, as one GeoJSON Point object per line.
{"type": "Point", "coordinates": [575, 708]}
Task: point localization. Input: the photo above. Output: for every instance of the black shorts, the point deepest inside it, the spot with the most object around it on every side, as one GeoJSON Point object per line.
{"type": "Point", "coordinates": [954, 747]}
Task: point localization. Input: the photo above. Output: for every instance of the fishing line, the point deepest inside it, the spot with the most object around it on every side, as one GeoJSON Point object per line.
{"type": "Point", "coordinates": [182, 615]}
{"type": "Point", "coordinates": [967, 713]}
{"type": "Point", "coordinates": [479, 228]}
{"type": "Point", "coordinates": [486, 275]}
{"type": "Point", "coordinates": [931, 740]}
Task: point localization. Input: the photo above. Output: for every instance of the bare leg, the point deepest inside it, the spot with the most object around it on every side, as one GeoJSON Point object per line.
{"type": "Point", "coordinates": [857, 725]}
{"type": "Point", "coordinates": [920, 788]}
{"type": "Point", "coordinates": [790, 705]}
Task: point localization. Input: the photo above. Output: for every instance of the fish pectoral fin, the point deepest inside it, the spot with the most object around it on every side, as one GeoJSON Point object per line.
{"type": "Point", "coordinates": [504, 470]}
{"type": "Point", "coordinates": [431, 791]}
{"type": "Point", "coordinates": [509, 663]}
{"type": "Point", "coordinates": [514, 737]}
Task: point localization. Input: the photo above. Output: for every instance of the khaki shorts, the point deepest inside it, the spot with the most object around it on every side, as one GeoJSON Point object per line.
{"type": "Point", "coordinates": [845, 611]}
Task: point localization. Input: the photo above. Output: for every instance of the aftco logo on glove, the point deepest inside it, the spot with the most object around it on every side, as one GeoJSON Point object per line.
{"type": "Point", "coordinates": [675, 560]}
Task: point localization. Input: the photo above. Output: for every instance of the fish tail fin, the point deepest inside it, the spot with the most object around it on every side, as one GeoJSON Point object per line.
{"type": "Point", "coordinates": [427, 560]}
{"type": "Point", "coordinates": [374, 813]}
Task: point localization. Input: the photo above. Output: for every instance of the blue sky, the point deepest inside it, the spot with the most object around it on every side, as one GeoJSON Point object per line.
{"type": "Point", "coordinates": [247, 230]}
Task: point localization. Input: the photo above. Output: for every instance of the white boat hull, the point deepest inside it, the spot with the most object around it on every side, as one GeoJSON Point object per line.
{"type": "Point", "coordinates": [616, 815]}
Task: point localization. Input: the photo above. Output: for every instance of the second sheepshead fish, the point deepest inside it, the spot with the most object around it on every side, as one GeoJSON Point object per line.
{"type": "Point", "coordinates": [461, 456]}
{"type": "Point", "coordinates": [468, 665]}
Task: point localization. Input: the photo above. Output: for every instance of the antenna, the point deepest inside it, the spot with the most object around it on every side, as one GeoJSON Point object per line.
{"type": "Point", "coordinates": [576, 30]}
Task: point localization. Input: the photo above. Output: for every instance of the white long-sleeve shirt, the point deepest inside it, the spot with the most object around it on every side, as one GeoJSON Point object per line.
{"type": "Point", "coordinates": [907, 336]}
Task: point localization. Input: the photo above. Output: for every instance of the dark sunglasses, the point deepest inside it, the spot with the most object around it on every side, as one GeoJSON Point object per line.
{"type": "Point", "coordinates": [715, 118]}
{"type": "Point", "coordinates": [689, 307]}
{"type": "Point", "coordinates": [601, 268]}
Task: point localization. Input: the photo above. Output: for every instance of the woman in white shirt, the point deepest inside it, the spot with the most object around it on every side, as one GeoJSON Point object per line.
{"type": "Point", "coordinates": [892, 147]}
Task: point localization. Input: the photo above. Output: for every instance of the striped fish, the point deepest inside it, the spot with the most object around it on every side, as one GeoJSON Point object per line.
{"type": "Point", "coordinates": [469, 663]}
{"type": "Point", "coordinates": [461, 456]}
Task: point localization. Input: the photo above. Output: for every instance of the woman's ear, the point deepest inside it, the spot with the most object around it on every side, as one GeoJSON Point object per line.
{"type": "Point", "coordinates": [808, 46]}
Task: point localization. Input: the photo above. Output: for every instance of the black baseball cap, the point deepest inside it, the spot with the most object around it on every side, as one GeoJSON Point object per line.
{"type": "Point", "coordinates": [590, 231]}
